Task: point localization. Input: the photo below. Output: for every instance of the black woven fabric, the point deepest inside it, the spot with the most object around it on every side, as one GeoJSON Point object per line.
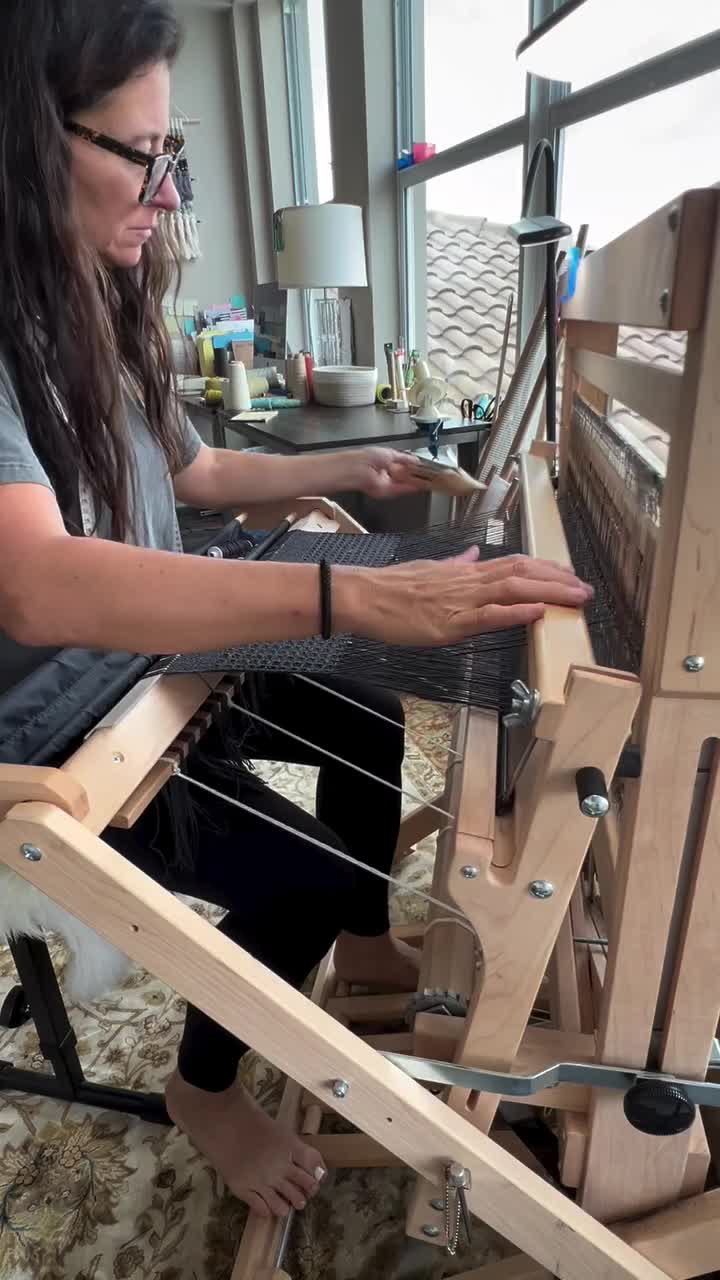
{"type": "Point", "coordinates": [477, 671]}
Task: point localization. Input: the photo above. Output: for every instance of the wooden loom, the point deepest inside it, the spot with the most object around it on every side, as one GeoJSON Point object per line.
{"type": "Point", "coordinates": [486, 867]}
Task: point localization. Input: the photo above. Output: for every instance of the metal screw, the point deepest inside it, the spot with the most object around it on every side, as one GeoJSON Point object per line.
{"type": "Point", "coordinates": [674, 218]}
{"type": "Point", "coordinates": [694, 662]}
{"type": "Point", "coordinates": [468, 873]}
{"type": "Point", "coordinates": [340, 1088]}
{"type": "Point", "coordinates": [595, 806]}
{"type": "Point", "coordinates": [118, 757]}
{"type": "Point", "coordinates": [438, 1205]}
{"type": "Point", "coordinates": [541, 889]}
{"type": "Point", "coordinates": [31, 852]}
{"type": "Point", "coordinates": [664, 300]}
{"type": "Point", "coordinates": [430, 1230]}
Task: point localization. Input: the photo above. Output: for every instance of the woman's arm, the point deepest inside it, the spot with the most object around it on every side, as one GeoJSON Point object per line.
{"type": "Point", "coordinates": [91, 593]}
{"type": "Point", "coordinates": [227, 478]}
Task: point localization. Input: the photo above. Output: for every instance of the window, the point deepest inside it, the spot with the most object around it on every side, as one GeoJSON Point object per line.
{"type": "Point", "coordinates": [620, 166]}
{"type": "Point", "coordinates": [668, 25]}
{"type": "Point", "coordinates": [307, 85]}
{"type": "Point", "coordinates": [472, 81]}
{"type": "Point", "coordinates": [472, 272]}
{"type": "Point", "coordinates": [321, 108]}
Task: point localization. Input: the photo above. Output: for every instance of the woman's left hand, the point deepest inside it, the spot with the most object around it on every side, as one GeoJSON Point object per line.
{"type": "Point", "coordinates": [382, 473]}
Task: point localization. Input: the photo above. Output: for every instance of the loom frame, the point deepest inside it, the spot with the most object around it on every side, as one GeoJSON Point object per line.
{"type": "Point", "coordinates": [61, 813]}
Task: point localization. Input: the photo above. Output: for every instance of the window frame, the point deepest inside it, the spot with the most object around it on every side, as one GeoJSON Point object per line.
{"type": "Point", "coordinates": [550, 108]}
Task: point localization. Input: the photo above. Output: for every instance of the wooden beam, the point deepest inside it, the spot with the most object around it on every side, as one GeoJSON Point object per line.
{"type": "Point", "coordinates": [683, 1240]}
{"type": "Point", "coordinates": [654, 274]}
{"type": "Point", "coordinates": [100, 887]}
{"type": "Point", "coordinates": [656, 394]}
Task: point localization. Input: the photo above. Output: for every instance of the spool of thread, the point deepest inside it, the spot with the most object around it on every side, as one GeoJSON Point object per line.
{"type": "Point", "coordinates": [297, 378]}
{"type": "Point", "coordinates": [309, 370]}
{"type": "Point", "coordinates": [384, 392]}
{"type": "Point", "coordinates": [239, 390]}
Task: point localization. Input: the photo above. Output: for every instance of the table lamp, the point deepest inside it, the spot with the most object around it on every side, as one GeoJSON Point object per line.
{"type": "Point", "coordinates": [321, 246]}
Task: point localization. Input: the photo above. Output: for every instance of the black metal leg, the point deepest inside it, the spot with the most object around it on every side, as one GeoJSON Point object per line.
{"type": "Point", "coordinates": [58, 1045]}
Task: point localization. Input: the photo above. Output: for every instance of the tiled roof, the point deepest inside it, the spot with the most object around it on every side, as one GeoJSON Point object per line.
{"type": "Point", "coordinates": [472, 267]}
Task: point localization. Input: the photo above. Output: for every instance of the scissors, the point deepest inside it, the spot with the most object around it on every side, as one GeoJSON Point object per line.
{"type": "Point", "coordinates": [471, 411]}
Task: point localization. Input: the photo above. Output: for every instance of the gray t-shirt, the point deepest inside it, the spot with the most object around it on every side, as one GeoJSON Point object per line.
{"type": "Point", "coordinates": [154, 521]}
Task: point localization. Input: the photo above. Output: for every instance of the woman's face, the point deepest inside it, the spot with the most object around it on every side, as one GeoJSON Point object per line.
{"type": "Point", "coordinates": [107, 187]}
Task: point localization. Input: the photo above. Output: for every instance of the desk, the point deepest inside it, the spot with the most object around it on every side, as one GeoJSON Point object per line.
{"type": "Point", "coordinates": [316, 427]}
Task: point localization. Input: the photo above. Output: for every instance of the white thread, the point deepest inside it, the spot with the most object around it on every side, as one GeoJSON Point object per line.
{"type": "Point", "coordinates": [360, 705]}
{"type": "Point", "coordinates": [319, 844]}
{"type": "Point", "coordinates": [252, 715]}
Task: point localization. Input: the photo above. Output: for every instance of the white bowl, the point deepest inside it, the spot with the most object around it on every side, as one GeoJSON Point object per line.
{"type": "Point", "coordinates": [344, 386]}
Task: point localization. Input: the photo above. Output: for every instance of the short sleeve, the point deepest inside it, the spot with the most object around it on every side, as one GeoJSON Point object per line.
{"type": "Point", "coordinates": [191, 443]}
{"type": "Point", "coordinates": [18, 462]}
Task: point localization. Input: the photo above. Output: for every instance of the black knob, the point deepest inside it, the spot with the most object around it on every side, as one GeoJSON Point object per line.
{"type": "Point", "coordinates": [659, 1107]}
{"type": "Point", "coordinates": [592, 792]}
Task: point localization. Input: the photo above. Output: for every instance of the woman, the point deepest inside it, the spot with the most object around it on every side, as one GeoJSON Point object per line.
{"type": "Point", "coordinates": [92, 443]}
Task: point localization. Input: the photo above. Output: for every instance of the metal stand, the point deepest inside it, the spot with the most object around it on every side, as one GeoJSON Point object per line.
{"type": "Point", "coordinates": [39, 998]}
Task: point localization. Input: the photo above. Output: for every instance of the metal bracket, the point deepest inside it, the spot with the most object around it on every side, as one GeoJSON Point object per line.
{"type": "Point", "coordinates": [436, 1000]}
{"type": "Point", "coordinates": [525, 706]}
{"type": "Point", "coordinates": [699, 1092]}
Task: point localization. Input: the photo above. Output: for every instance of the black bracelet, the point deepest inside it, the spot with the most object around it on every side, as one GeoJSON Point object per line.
{"type": "Point", "coordinates": [325, 601]}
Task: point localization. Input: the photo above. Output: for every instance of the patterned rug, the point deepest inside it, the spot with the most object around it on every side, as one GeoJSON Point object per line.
{"type": "Point", "coordinates": [87, 1195]}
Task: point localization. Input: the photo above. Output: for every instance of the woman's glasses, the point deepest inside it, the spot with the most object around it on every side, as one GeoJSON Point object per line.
{"type": "Point", "coordinates": [157, 167]}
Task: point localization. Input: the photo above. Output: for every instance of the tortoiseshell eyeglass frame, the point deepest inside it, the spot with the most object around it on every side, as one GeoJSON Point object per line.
{"type": "Point", "coordinates": [157, 167]}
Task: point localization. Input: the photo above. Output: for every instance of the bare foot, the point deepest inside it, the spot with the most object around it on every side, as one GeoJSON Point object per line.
{"type": "Point", "coordinates": [262, 1163]}
{"type": "Point", "coordinates": [384, 963]}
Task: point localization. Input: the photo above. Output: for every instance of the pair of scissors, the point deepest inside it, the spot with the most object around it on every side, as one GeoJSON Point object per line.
{"type": "Point", "coordinates": [476, 412]}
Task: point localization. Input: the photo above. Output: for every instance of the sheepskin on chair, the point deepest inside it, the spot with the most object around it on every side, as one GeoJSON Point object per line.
{"type": "Point", "coordinates": [95, 965]}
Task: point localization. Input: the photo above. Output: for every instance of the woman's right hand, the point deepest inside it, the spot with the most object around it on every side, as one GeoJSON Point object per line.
{"type": "Point", "coordinates": [437, 602]}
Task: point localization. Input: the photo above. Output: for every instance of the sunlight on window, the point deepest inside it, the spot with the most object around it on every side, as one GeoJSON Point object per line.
{"type": "Point", "coordinates": [321, 106]}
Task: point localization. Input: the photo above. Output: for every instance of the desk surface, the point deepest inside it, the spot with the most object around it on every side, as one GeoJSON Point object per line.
{"type": "Point", "coordinates": [319, 427]}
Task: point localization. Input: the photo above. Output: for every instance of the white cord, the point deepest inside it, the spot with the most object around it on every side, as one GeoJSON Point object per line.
{"type": "Point", "coordinates": [319, 844]}
{"type": "Point", "coordinates": [360, 705]}
{"type": "Point", "coordinates": [252, 715]}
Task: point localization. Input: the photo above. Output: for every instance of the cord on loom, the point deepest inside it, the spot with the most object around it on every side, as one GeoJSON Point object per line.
{"type": "Point", "coordinates": [319, 844]}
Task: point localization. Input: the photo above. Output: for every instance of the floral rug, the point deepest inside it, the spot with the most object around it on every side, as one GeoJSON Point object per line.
{"type": "Point", "coordinates": [87, 1195]}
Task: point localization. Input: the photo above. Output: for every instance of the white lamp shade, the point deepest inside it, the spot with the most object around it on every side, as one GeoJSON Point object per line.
{"type": "Point", "coordinates": [320, 246]}
{"type": "Point", "coordinates": [589, 40]}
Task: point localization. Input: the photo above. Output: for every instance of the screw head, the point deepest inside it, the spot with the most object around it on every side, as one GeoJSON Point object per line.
{"type": "Point", "coordinates": [340, 1088]}
{"type": "Point", "coordinates": [664, 301]}
{"type": "Point", "coordinates": [118, 757]}
{"type": "Point", "coordinates": [469, 873]}
{"type": "Point", "coordinates": [541, 889]}
{"type": "Point", "coordinates": [431, 1230]}
{"type": "Point", "coordinates": [215, 553]}
{"type": "Point", "coordinates": [437, 1205]}
{"type": "Point", "coordinates": [694, 662]}
{"type": "Point", "coordinates": [595, 806]}
{"type": "Point", "coordinates": [31, 852]}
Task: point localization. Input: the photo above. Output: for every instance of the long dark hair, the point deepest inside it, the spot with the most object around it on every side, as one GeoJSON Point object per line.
{"type": "Point", "coordinates": [71, 329]}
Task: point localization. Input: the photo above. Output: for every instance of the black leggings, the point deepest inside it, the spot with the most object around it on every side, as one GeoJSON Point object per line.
{"type": "Point", "coordinates": [286, 900]}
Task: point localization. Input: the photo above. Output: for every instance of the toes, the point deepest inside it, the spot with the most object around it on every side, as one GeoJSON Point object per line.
{"type": "Point", "coordinates": [308, 1184]}
{"type": "Point", "coordinates": [275, 1203]}
{"type": "Point", "coordinates": [310, 1160]}
{"type": "Point", "coordinates": [292, 1193]}
{"type": "Point", "coordinates": [257, 1204]}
